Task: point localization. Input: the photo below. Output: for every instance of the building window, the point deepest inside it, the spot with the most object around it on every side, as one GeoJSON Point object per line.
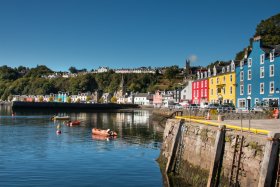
{"type": "Point", "coordinates": [241, 75]}
{"type": "Point", "coordinates": [201, 84]}
{"type": "Point", "coordinates": [249, 74]}
{"type": "Point", "coordinates": [262, 72]}
{"type": "Point", "coordinates": [230, 77]}
{"type": "Point", "coordinates": [271, 70]}
{"type": "Point", "coordinates": [256, 101]}
{"type": "Point", "coordinates": [194, 85]}
{"type": "Point", "coordinates": [224, 78]}
{"type": "Point", "coordinates": [262, 88]}
{"type": "Point", "coordinates": [217, 80]}
{"type": "Point", "coordinates": [201, 92]}
{"type": "Point", "coordinates": [241, 64]}
{"type": "Point", "coordinates": [211, 81]}
{"type": "Point", "coordinates": [205, 83]}
{"type": "Point", "coordinates": [271, 55]}
{"type": "Point", "coordinates": [197, 85]}
{"type": "Point", "coordinates": [211, 91]}
{"type": "Point", "coordinates": [230, 90]}
{"type": "Point", "coordinates": [249, 62]}
{"type": "Point", "coordinates": [262, 59]}
{"type": "Point", "coordinates": [271, 87]}
{"type": "Point", "coordinates": [249, 89]}
{"type": "Point", "coordinates": [241, 103]}
{"type": "Point", "coordinates": [241, 89]}
{"type": "Point", "coordinates": [224, 90]}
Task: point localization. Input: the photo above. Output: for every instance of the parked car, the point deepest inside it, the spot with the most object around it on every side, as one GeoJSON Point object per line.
{"type": "Point", "coordinates": [193, 106]}
{"type": "Point", "coordinates": [213, 106]}
{"type": "Point", "coordinates": [178, 106]}
{"type": "Point", "coordinates": [226, 107]}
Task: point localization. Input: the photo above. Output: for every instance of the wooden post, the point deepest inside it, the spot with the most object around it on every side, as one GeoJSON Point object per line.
{"type": "Point", "coordinates": [219, 146]}
{"type": "Point", "coordinates": [267, 172]}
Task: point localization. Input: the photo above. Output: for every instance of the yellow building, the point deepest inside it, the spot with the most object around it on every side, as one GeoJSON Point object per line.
{"type": "Point", "coordinates": [222, 84]}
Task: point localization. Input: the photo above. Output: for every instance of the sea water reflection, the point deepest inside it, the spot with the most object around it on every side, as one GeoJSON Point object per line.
{"type": "Point", "coordinates": [32, 154]}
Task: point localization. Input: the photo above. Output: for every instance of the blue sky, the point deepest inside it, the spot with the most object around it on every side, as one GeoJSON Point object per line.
{"type": "Point", "coordinates": [126, 33]}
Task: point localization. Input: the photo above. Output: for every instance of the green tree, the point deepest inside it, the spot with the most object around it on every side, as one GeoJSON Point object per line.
{"type": "Point", "coordinates": [73, 70]}
{"type": "Point", "coordinates": [114, 99]}
{"type": "Point", "coordinates": [68, 99]}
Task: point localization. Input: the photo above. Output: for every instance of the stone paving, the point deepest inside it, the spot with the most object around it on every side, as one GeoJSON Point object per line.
{"type": "Point", "coordinates": [265, 124]}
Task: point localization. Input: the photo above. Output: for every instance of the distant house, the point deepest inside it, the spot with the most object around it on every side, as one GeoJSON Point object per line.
{"type": "Point", "coordinates": [106, 97]}
{"type": "Point", "coordinates": [157, 99]}
{"type": "Point", "coordinates": [143, 99]}
{"type": "Point", "coordinates": [186, 93]}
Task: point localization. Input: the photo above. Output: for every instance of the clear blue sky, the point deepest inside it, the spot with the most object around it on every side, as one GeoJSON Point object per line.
{"type": "Point", "coordinates": [126, 33]}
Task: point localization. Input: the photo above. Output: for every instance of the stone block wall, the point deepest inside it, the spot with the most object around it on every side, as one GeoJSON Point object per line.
{"type": "Point", "coordinates": [196, 158]}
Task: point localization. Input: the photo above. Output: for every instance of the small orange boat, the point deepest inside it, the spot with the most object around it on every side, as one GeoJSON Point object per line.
{"type": "Point", "coordinates": [73, 123]}
{"type": "Point", "coordinates": [101, 132]}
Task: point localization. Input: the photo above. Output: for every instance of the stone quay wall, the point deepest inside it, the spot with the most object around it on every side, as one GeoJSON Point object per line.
{"type": "Point", "coordinates": [203, 155]}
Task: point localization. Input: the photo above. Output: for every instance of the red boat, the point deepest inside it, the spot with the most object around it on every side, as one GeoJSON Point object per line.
{"type": "Point", "coordinates": [101, 132]}
{"type": "Point", "coordinates": [73, 123]}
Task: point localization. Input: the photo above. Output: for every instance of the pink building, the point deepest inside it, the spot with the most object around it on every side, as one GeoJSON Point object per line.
{"type": "Point", "coordinates": [157, 99]}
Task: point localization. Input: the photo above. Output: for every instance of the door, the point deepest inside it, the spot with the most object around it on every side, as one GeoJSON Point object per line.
{"type": "Point", "coordinates": [249, 104]}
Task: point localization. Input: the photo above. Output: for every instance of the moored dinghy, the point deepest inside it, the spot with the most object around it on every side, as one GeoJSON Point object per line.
{"type": "Point", "coordinates": [101, 132]}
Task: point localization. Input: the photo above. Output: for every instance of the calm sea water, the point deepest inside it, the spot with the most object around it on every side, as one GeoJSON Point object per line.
{"type": "Point", "coordinates": [32, 154]}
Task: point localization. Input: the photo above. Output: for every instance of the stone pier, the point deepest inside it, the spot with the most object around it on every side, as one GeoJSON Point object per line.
{"type": "Point", "coordinates": [207, 155]}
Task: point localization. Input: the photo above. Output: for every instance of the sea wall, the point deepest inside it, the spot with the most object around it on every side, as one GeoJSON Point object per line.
{"type": "Point", "coordinates": [206, 156]}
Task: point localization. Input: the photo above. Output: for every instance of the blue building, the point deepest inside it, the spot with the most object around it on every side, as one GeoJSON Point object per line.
{"type": "Point", "coordinates": [258, 76]}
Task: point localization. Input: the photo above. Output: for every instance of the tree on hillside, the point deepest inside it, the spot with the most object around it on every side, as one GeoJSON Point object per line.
{"type": "Point", "coordinates": [73, 69]}
{"type": "Point", "coordinates": [39, 71]}
{"type": "Point", "coordinates": [171, 72]}
{"type": "Point", "coordinates": [269, 30]}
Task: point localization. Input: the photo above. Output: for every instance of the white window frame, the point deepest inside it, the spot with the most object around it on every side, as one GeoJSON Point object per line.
{"type": "Point", "coordinates": [250, 62]}
{"type": "Point", "coordinates": [241, 89]}
{"type": "Point", "coordinates": [249, 76]}
{"type": "Point", "coordinates": [257, 100]}
{"type": "Point", "coordinates": [201, 84]}
{"type": "Point", "coordinates": [262, 59]}
{"type": "Point", "coordinates": [241, 76]}
{"type": "Point", "coordinates": [249, 89]}
{"type": "Point", "coordinates": [271, 70]}
{"type": "Point", "coordinates": [271, 55]}
{"type": "Point", "coordinates": [271, 87]}
{"type": "Point", "coordinates": [261, 88]}
{"type": "Point", "coordinates": [262, 72]}
{"type": "Point", "coordinates": [243, 101]}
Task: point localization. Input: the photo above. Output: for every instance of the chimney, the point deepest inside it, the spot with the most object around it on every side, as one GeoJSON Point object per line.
{"type": "Point", "coordinates": [246, 53]}
{"type": "Point", "coordinates": [257, 38]}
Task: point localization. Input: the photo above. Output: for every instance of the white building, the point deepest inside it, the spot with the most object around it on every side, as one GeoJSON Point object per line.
{"type": "Point", "coordinates": [142, 99]}
{"type": "Point", "coordinates": [186, 93]}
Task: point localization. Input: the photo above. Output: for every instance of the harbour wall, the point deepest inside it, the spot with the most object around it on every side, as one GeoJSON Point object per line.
{"type": "Point", "coordinates": [201, 155]}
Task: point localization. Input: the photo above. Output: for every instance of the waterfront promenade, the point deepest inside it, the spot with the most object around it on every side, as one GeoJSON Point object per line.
{"type": "Point", "coordinates": [265, 124]}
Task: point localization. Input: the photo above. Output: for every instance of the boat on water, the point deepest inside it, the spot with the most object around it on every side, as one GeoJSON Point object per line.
{"type": "Point", "coordinates": [60, 118]}
{"type": "Point", "coordinates": [73, 123]}
{"type": "Point", "coordinates": [101, 132]}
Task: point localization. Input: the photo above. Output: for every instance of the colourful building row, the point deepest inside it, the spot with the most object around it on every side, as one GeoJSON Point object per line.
{"type": "Point", "coordinates": [246, 83]}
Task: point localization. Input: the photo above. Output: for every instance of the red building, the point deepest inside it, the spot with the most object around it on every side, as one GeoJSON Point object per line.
{"type": "Point", "coordinates": [200, 88]}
